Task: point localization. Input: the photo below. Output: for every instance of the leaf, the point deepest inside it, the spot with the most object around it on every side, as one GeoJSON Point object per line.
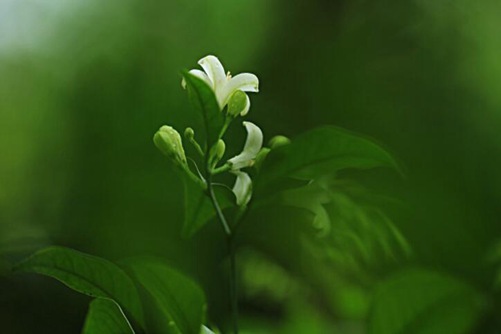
{"type": "Point", "coordinates": [203, 98]}
{"type": "Point", "coordinates": [90, 275]}
{"type": "Point", "coordinates": [106, 317]}
{"type": "Point", "coordinates": [276, 230]}
{"type": "Point", "coordinates": [419, 301]}
{"type": "Point", "coordinates": [198, 207]}
{"type": "Point", "coordinates": [179, 301]}
{"type": "Point", "coordinates": [206, 330]}
{"type": "Point", "coordinates": [322, 151]}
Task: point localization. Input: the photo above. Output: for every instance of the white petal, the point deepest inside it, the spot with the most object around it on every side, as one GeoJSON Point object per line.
{"type": "Point", "coordinates": [200, 75]}
{"type": "Point", "coordinates": [214, 69]}
{"type": "Point", "coordinates": [254, 140]}
{"type": "Point", "coordinates": [252, 147]}
{"type": "Point", "coordinates": [247, 106]}
{"type": "Point", "coordinates": [246, 82]}
{"type": "Point", "coordinates": [242, 160]}
{"type": "Point", "coordinates": [242, 188]}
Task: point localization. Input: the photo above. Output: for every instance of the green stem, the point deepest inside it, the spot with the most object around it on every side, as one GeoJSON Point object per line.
{"type": "Point", "coordinates": [215, 204]}
{"type": "Point", "coordinates": [197, 146]}
{"type": "Point", "coordinates": [227, 122]}
{"type": "Point", "coordinates": [192, 176]}
{"type": "Point", "coordinates": [233, 284]}
{"type": "Point", "coordinates": [222, 169]}
{"type": "Point", "coordinates": [231, 253]}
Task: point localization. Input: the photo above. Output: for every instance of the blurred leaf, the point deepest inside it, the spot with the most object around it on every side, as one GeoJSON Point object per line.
{"type": "Point", "coordinates": [322, 151]}
{"type": "Point", "coordinates": [277, 231]}
{"type": "Point", "coordinates": [90, 275]}
{"type": "Point", "coordinates": [352, 232]}
{"type": "Point", "coordinates": [198, 207]}
{"type": "Point", "coordinates": [106, 317]}
{"type": "Point", "coordinates": [206, 330]}
{"type": "Point", "coordinates": [203, 98]}
{"type": "Point", "coordinates": [421, 301]}
{"type": "Point", "coordinates": [179, 301]}
{"type": "Point", "coordinates": [5, 267]}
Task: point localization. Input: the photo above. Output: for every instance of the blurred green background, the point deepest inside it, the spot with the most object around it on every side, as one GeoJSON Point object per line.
{"type": "Point", "coordinates": [85, 84]}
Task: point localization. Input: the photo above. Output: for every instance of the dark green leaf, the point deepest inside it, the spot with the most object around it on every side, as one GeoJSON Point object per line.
{"type": "Point", "coordinates": [198, 207]}
{"type": "Point", "coordinates": [180, 302]}
{"type": "Point", "coordinates": [322, 151]}
{"type": "Point", "coordinates": [203, 98]}
{"type": "Point", "coordinates": [278, 231]}
{"type": "Point", "coordinates": [106, 317]}
{"type": "Point", "coordinates": [90, 275]}
{"type": "Point", "coordinates": [419, 301]}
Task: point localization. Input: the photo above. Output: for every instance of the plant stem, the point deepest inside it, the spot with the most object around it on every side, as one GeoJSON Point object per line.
{"type": "Point", "coordinates": [231, 253]}
{"type": "Point", "coordinates": [215, 204]}
{"type": "Point", "coordinates": [233, 284]}
{"type": "Point", "coordinates": [223, 168]}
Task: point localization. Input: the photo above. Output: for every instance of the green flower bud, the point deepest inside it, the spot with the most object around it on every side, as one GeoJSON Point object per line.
{"type": "Point", "coordinates": [220, 148]}
{"type": "Point", "coordinates": [278, 141]}
{"type": "Point", "coordinates": [189, 134]}
{"type": "Point", "coordinates": [217, 152]}
{"type": "Point", "coordinates": [238, 104]}
{"type": "Point", "coordinates": [168, 141]}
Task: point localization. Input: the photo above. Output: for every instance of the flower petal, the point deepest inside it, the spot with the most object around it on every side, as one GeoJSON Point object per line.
{"type": "Point", "coordinates": [198, 74]}
{"type": "Point", "coordinates": [252, 146]}
{"type": "Point", "coordinates": [215, 71]}
{"type": "Point", "coordinates": [254, 140]}
{"type": "Point", "coordinates": [242, 188]}
{"type": "Point", "coordinates": [246, 82]}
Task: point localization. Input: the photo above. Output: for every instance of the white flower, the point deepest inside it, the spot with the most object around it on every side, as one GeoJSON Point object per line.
{"type": "Point", "coordinates": [224, 85]}
{"type": "Point", "coordinates": [242, 188]}
{"type": "Point", "coordinates": [243, 184]}
{"type": "Point", "coordinates": [252, 147]}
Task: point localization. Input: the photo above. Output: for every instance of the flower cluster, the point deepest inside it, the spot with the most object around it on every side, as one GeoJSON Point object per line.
{"type": "Point", "coordinates": [232, 99]}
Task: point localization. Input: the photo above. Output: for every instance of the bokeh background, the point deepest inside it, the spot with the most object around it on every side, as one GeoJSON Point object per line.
{"type": "Point", "coordinates": [85, 84]}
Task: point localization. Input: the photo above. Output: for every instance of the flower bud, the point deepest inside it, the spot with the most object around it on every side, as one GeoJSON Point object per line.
{"type": "Point", "coordinates": [238, 104]}
{"type": "Point", "coordinates": [168, 141]}
{"type": "Point", "coordinates": [189, 134]}
{"type": "Point", "coordinates": [278, 141]}
{"type": "Point", "coordinates": [217, 152]}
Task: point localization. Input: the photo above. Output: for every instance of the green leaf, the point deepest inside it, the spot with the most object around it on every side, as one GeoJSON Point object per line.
{"type": "Point", "coordinates": [276, 230]}
{"type": "Point", "coordinates": [90, 275]}
{"type": "Point", "coordinates": [198, 207]}
{"type": "Point", "coordinates": [203, 98]}
{"type": "Point", "coordinates": [419, 301]}
{"type": "Point", "coordinates": [322, 151]}
{"type": "Point", "coordinates": [179, 301]}
{"type": "Point", "coordinates": [106, 317]}
{"type": "Point", "coordinates": [206, 330]}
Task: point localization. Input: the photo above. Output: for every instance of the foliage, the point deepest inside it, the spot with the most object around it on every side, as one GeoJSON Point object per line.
{"type": "Point", "coordinates": [178, 303]}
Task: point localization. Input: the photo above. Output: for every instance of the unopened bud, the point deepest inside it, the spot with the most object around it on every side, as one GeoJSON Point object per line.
{"type": "Point", "coordinates": [278, 141]}
{"type": "Point", "coordinates": [217, 152]}
{"type": "Point", "coordinates": [238, 104]}
{"type": "Point", "coordinates": [168, 141]}
{"type": "Point", "coordinates": [189, 134]}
